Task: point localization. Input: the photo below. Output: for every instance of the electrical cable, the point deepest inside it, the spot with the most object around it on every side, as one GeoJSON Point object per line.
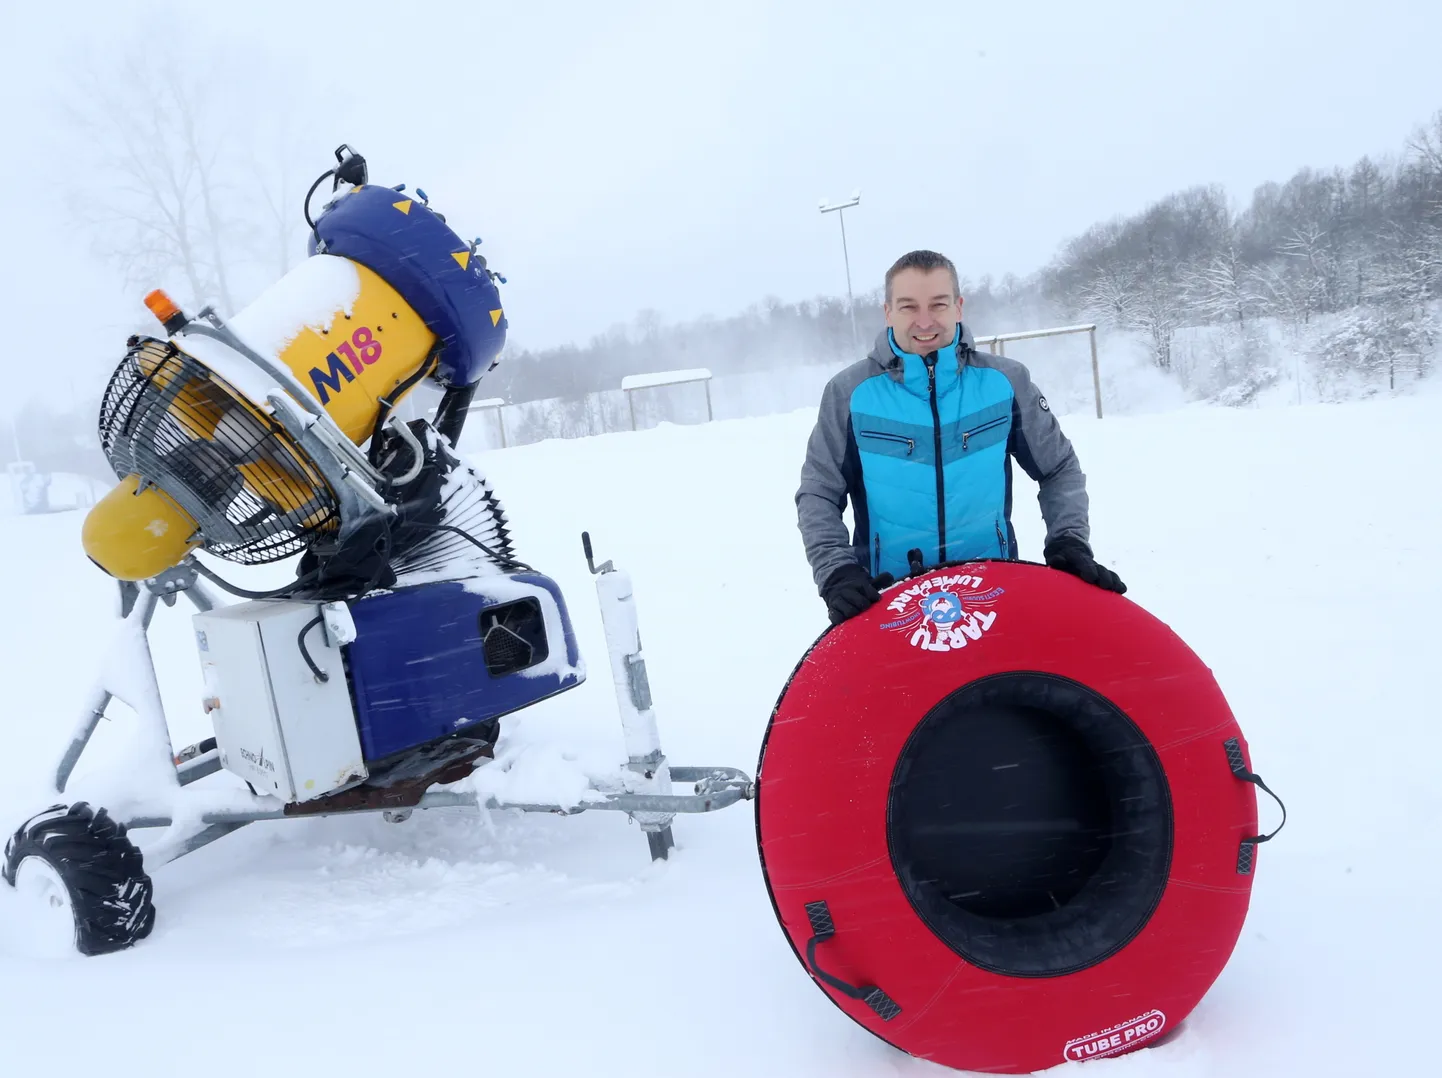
{"type": "Point", "coordinates": [320, 675]}
{"type": "Point", "coordinates": [245, 593]}
{"type": "Point", "coordinates": [306, 208]}
{"type": "Point", "coordinates": [504, 562]}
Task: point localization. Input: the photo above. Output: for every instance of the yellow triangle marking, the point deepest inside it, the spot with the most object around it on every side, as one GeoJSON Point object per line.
{"type": "Point", "coordinates": [404, 206]}
{"type": "Point", "coordinates": [495, 318]}
{"type": "Point", "coordinates": [463, 257]}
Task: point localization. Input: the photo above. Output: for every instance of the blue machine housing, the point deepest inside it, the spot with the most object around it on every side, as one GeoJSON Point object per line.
{"type": "Point", "coordinates": [432, 660]}
{"type": "Point", "coordinates": [417, 254]}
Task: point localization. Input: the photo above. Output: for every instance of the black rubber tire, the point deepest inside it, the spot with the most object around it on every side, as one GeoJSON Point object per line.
{"type": "Point", "coordinates": [110, 894]}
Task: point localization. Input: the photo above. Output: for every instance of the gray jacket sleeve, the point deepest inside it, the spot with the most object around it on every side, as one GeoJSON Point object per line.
{"type": "Point", "coordinates": [822, 495]}
{"type": "Point", "coordinates": [1046, 455]}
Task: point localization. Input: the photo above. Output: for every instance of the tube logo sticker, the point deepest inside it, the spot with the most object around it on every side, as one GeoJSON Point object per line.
{"type": "Point", "coordinates": [944, 612]}
{"type": "Point", "coordinates": [1118, 1039]}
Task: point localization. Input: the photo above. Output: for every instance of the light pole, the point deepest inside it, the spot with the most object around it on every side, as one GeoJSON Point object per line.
{"type": "Point", "coordinates": [840, 209]}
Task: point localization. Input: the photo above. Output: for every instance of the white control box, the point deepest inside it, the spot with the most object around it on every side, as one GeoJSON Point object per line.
{"type": "Point", "coordinates": [278, 726]}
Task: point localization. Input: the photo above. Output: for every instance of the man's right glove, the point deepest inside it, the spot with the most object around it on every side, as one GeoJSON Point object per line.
{"type": "Point", "coordinates": [850, 590]}
{"type": "Point", "coordinates": [1071, 555]}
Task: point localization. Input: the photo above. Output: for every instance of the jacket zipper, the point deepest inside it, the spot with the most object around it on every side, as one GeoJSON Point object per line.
{"type": "Point", "coordinates": [876, 564]}
{"type": "Point", "coordinates": [885, 437]}
{"type": "Point", "coordinates": [1000, 540]}
{"type": "Point", "coordinates": [940, 480]}
{"type": "Point", "coordinates": [966, 435]}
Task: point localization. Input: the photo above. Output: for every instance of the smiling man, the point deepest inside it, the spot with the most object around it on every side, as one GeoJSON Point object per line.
{"type": "Point", "coordinates": [920, 437]}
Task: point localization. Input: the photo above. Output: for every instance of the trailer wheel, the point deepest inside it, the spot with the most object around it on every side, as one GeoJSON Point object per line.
{"type": "Point", "coordinates": [76, 860]}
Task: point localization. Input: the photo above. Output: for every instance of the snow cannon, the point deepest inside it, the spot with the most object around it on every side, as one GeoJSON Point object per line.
{"type": "Point", "coordinates": [389, 295]}
{"type": "Point", "coordinates": [1040, 847]}
{"type": "Point", "coordinates": [377, 679]}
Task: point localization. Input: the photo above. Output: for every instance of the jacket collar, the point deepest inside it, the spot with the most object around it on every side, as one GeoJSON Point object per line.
{"type": "Point", "coordinates": [911, 369]}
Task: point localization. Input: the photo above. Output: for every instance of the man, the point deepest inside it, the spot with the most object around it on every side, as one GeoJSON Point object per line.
{"type": "Point", "coordinates": [920, 436]}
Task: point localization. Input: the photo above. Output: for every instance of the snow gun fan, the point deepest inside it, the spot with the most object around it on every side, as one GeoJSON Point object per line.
{"type": "Point", "coordinates": [215, 455]}
{"type": "Point", "coordinates": [383, 669]}
{"type": "Point", "coordinates": [202, 466]}
{"type": "Point", "coordinates": [1045, 853]}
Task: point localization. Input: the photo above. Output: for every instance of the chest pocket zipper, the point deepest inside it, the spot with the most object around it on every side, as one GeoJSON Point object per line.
{"type": "Point", "coordinates": [883, 436]}
{"type": "Point", "coordinates": [966, 435]}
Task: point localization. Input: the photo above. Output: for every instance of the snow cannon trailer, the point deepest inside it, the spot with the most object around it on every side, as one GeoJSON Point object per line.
{"type": "Point", "coordinates": [274, 435]}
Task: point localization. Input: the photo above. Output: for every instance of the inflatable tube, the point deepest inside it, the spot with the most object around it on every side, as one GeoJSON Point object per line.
{"type": "Point", "coordinates": [1006, 820]}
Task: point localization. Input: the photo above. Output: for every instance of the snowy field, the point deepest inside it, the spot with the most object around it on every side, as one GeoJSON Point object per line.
{"type": "Point", "coordinates": [1296, 549]}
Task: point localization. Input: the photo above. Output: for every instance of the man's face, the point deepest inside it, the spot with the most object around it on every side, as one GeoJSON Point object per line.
{"type": "Point", "coordinates": [923, 311]}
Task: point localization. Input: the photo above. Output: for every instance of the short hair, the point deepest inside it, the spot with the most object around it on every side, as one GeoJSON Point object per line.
{"type": "Point", "coordinates": [926, 261]}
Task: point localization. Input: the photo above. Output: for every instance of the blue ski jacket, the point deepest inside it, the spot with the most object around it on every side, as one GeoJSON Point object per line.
{"type": "Point", "coordinates": [922, 447]}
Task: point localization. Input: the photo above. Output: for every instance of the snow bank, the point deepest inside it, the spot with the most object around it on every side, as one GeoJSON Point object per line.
{"type": "Point", "coordinates": [1291, 547]}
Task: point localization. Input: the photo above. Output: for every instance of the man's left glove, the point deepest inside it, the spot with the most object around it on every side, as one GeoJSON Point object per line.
{"type": "Point", "coordinates": [850, 590]}
{"type": "Point", "coordinates": [1071, 555]}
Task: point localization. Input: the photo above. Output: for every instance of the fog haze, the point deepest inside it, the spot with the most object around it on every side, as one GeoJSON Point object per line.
{"type": "Point", "coordinates": [670, 156]}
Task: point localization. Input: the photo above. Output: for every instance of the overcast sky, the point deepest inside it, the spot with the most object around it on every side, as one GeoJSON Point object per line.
{"type": "Point", "coordinates": [629, 155]}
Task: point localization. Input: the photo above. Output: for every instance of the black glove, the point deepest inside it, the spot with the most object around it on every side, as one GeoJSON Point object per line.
{"type": "Point", "coordinates": [850, 590]}
{"type": "Point", "coordinates": [1072, 556]}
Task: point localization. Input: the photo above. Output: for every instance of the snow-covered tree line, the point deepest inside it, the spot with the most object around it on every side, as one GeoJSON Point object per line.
{"type": "Point", "coordinates": [1346, 264]}
{"type": "Point", "coordinates": [816, 330]}
{"type": "Point", "coordinates": [1361, 244]}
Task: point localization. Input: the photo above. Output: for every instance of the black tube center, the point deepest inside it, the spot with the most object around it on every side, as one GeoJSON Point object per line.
{"type": "Point", "coordinates": [1030, 824]}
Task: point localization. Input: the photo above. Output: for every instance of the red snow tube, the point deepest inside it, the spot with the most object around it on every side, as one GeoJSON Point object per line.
{"type": "Point", "coordinates": [1006, 820]}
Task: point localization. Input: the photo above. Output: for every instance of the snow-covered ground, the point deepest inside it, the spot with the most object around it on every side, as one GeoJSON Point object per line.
{"type": "Point", "coordinates": [1296, 549]}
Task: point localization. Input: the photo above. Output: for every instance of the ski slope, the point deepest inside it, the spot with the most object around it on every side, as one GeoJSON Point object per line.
{"type": "Point", "coordinates": [1296, 549]}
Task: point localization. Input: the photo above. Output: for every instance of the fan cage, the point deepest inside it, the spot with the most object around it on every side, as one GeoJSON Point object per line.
{"type": "Point", "coordinates": [253, 495]}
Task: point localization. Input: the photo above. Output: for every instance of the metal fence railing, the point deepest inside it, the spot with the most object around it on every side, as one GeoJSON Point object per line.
{"type": "Point", "coordinates": [603, 411]}
{"type": "Point", "coordinates": [633, 382]}
{"type": "Point", "coordinates": [999, 342]}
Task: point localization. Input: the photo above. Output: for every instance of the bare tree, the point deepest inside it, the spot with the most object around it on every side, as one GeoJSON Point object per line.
{"type": "Point", "coordinates": [1109, 296]}
{"type": "Point", "coordinates": [1311, 248]}
{"type": "Point", "coordinates": [648, 324]}
{"type": "Point", "coordinates": [1410, 270]}
{"type": "Point", "coordinates": [1366, 192]}
{"type": "Point", "coordinates": [1159, 312]}
{"type": "Point", "coordinates": [156, 195]}
{"type": "Point", "coordinates": [195, 167]}
{"type": "Point", "coordinates": [1426, 143]}
{"type": "Point", "coordinates": [1140, 298]}
{"type": "Point", "coordinates": [279, 184]}
{"type": "Point", "coordinates": [286, 145]}
{"type": "Point", "coordinates": [1282, 293]}
{"type": "Point", "coordinates": [1221, 288]}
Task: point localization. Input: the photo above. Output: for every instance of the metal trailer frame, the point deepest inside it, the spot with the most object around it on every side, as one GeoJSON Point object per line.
{"type": "Point", "coordinates": [644, 794]}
